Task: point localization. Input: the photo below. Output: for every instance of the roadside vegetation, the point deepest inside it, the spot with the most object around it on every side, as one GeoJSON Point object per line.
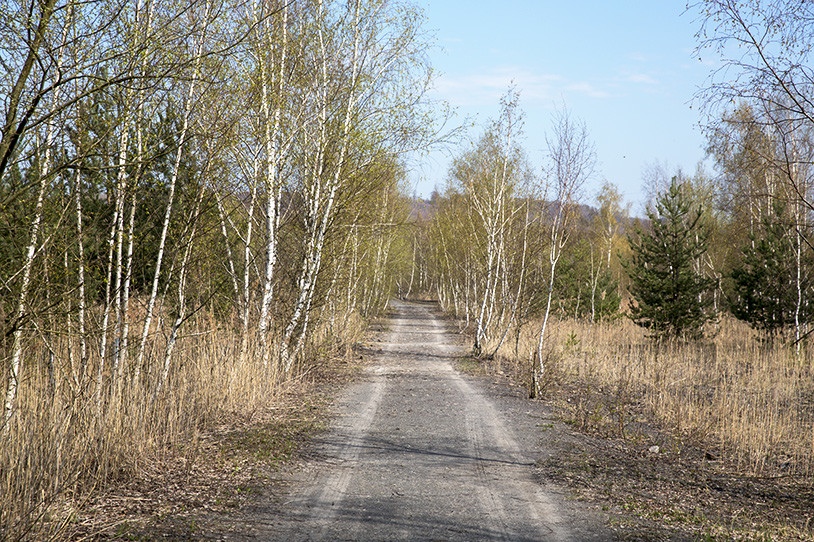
{"type": "Point", "coordinates": [690, 325]}
{"type": "Point", "coordinates": [703, 307]}
{"type": "Point", "coordinates": [201, 203]}
{"type": "Point", "coordinates": [693, 441]}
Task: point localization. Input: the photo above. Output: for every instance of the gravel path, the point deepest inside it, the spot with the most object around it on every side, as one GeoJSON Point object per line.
{"type": "Point", "coordinates": [421, 452]}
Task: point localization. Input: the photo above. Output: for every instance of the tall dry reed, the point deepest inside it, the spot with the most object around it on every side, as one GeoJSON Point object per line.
{"type": "Point", "coordinates": [64, 442]}
{"type": "Point", "coordinates": [752, 401]}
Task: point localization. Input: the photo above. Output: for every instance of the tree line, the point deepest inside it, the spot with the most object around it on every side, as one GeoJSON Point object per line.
{"type": "Point", "coordinates": [508, 246]}
{"type": "Point", "coordinates": [172, 171]}
{"type": "Point", "coordinates": [505, 245]}
{"type": "Point", "coordinates": [225, 181]}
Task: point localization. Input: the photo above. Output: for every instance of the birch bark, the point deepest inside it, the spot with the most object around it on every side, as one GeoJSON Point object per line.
{"type": "Point", "coordinates": [182, 304]}
{"type": "Point", "coordinates": [10, 138]}
{"type": "Point", "coordinates": [572, 160]}
{"type": "Point", "coordinates": [271, 120]}
{"type": "Point", "coordinates": [323, 184]}
{"type": "Point", "coordinates": [182, 141]}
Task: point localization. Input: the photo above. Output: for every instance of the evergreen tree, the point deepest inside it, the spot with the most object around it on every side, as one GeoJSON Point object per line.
{"type": "Point", "coordinates": [671, 298]}
{"type": "Point", "coordinates": [764, 284]}
{"type": "Point", "coordinates": [584, 289]}
{"type": "Point", "coordinates": [606, 301]}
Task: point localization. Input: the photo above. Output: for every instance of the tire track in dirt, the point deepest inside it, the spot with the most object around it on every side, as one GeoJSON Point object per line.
{"type": "Point", "coordinates": [336, 483]}
{"type": "Point", "coordinates": [485, 426]}
{"type": "Point", "coordinates": [419, 452]}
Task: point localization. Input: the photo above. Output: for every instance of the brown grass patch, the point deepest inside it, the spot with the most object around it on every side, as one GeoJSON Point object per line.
{"type": "Point", "coordinates": [141, 465]}
{"type": "Point", "coordinates": [710, 440]}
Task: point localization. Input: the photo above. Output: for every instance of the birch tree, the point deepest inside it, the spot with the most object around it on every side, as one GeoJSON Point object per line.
{"type": "Point", "coordinates": [764, 49]}
{"type": "Point", "coordinates": [764, 160]}
{"type": "Point", "coordinates": [233, 166]}
{"type": "Point", "coordinates": [271, 57]}
{"type": "Point", "coordinates": [490, 176]}
{"type": "Point", "coordinates": [12, 131]}
{"type": "Point", "coordinates": [571, 160]}
{"type": "Point", "coordinates": [369, 72]}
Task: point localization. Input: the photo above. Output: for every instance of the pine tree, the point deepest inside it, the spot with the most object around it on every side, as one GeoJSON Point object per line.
{"type": "Point", "coordinates": [764, 284]}
{"type": "Point", "coordinates": [606, 299]}
{"type": "Point", "coordinates": [671, 298]}
{"type": "Point", "coordinates": [585, 288]}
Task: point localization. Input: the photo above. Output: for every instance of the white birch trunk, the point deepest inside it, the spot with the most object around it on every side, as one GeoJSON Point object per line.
{"type": "Point", "coordinates": [182, 306]}
{"type": "Point", "coordinates": [480, 332]}
{"type": "Point", "coordinates": [145, 19]}
{"type": "Point", "coordinates": [319, 213]}
{"type": "Point", "coordinates": [230, 260]}
{"type": "Point", "coordinates": [412, 269]}
{"type": "Point", "coordinates": [46, 12]}
{"type": "Point", "coordinates": [272, 118]}
{"type": "Point", "coordinates": [121, 189]}
{"type": "Point", "coordinates": [106, 315]}
{"type": "Point", "coordinates": [573, 160]}
{"type": "Point", "coordinates": [247, 259]}
{"type": "Point", "coordinates": [557, 243]}
{"type": "Point", "coordinates": [594, 285]}
{"type": "Point", "coordinates": [188, 106]}
{"type": "Point", "coordinates": [516, 300]}
{"type": "Point", "coordinates": [83, 348]}
{"type": "Point", "coordinates": [128, 273]}
{"type": "Point", "coordinates": [19, 318]}
{"type": "Point", "coordinates": [353, 278]}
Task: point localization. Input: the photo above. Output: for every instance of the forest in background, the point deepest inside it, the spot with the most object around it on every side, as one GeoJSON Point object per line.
{"type": "Point", "coordinates": [201, 201]}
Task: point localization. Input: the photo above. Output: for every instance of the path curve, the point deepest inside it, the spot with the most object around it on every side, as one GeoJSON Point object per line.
{"type": "Point", "coordinates": [421, 452]}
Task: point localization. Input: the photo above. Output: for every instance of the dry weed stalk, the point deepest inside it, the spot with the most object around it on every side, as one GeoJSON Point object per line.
{"type": "Point", "coordinates": [61, 447]}
{"type": "Point", "coordinates": [752, 401]}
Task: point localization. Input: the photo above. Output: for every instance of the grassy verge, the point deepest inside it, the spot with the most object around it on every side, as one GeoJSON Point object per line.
{"type": "Point", "coordinates": [198, 488]}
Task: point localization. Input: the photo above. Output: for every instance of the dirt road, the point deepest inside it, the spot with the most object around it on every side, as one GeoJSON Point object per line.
{"type": "Point", "coordinates": [421, 452]}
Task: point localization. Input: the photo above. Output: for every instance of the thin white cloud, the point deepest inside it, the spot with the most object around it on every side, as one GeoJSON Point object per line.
{"type": "Point", "coordinates": [588, 90]}
{"type": "Point", "coordinates": [487, 87]}
{"type": "Point", "coordinates": [638, 57]}
{"type": "Point", "coordinates": [639, 79]}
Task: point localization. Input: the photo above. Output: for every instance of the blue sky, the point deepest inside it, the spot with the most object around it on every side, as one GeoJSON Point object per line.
{"type": "Point", "coordinates": [628, 69]}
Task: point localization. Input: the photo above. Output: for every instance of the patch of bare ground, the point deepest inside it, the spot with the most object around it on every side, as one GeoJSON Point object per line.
{"type": "Point", "coordinates": [196, 491]}
{"type": "Point", "coordinates": [654, 482]}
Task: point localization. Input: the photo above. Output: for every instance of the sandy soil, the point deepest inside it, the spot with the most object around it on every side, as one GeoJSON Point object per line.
{"type": "Point", "coordinates": [419, 451]}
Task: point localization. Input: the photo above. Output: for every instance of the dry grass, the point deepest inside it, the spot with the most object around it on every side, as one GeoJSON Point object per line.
{"type": "Point", "coordinates": [707, 441]}
{"type": "Point", "coordinates": [749, 402]}
{"type": "Point", "coordinates": [63, 449]}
